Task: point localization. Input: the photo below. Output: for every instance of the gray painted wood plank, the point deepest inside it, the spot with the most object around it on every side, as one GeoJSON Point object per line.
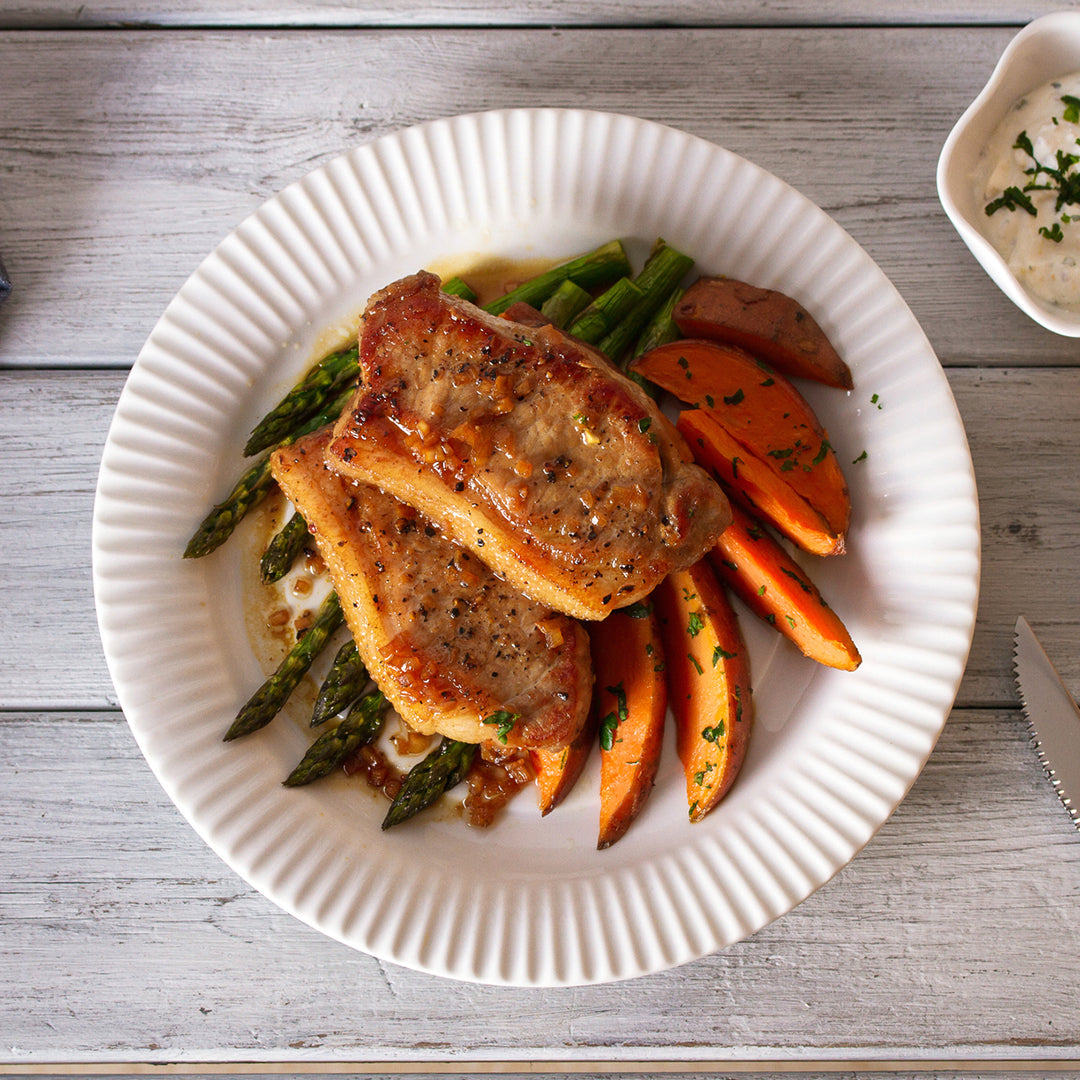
{"type": "Point", "coordinates": [53, 425]}
{"type": "Point", "coordinates": [121, 173]}
{"type": "Point", "coordinates": [127, 156]}
{"type": "Point", "coordinates": [873, 1069]}
{"type": "Point", "coordinates": [125, 939]}
{"type": "Point", "coordinates": [330, 13]}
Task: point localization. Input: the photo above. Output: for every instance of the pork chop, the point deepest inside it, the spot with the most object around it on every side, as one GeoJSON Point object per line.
{"type": "Point", "coordinates": [449, 643]}
{"type": "Point", "coordinates": [527, 447]}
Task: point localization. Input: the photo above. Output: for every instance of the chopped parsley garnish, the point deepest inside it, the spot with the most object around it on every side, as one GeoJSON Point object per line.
{"type": "Point", "coordinates": [696, 624]}
{"type": "Point", "coordinates": [791, 574]}
{"type": "Point", "coordinates": [693, 660]}
{"type": "Point", "coordinates": [505, 721]}
{"type": "Point", "coordinates": [715, 733]}
{"type": "Point", "coordinates": [720, 653]}
{"type": "Point", "coordinates": [1061, 178]}
{"type": "Point", "coordinates": [620, 700]}
{"type": "Point", "coordinates": [735, 398]}
{"type": "Point", "coordinates": [861, 457]}
{"type": "Point", "coordinates": [638, 610]}
{"type": "Point", "coordinates": [613, 719]}
{"type": "Point", "coordinates": [824, 449]}
{"type": "Point", "coordinates": [607, 731]}
{"type": "Point", "coordinates": [1012, 198]}
{"type": "Point", "coordinates": [643, 424]}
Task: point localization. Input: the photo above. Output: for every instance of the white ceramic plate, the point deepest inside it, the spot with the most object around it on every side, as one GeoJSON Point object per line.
{"type": "Point", "coordinates": [531, 902]}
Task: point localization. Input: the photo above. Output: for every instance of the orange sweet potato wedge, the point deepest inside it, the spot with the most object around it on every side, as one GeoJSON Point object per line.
{"type": "Point", "coordinates": [557, 769]}
{"type": "Point", "coordinates": [764, 322]}
{"type": "Point", "coordinates": [630, 700]}
{"type": "Point", "coordinates": [762, 410]}
{"type": "Point", "coordinates": [708, 683]}
{"type": "Point", "coordinates": [762, 574]}
{"type": "Point", "coordinates": [751, 482]}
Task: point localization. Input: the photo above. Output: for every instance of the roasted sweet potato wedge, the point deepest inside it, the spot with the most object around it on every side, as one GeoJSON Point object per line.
{"type": "Point", "coordinates": [764, 322]}
{"type": "Point", "coordinates": [557, 769]}
{"type": "Point", "coordinates": [763, 411]}
{"type": "Point", "coordinates": [630, 699]}
{"type": "Point", "coordinates": [756, 486]}
{"type": "Point", "coordinates": [766, 578]}
{"type": "Point", "coordinates": [708, 683]}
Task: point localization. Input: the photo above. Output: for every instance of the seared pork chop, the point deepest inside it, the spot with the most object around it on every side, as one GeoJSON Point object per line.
{"type": "Point", "coordinates": [525, 446]}
{"type": "Point", "coordinates": [448, 642]}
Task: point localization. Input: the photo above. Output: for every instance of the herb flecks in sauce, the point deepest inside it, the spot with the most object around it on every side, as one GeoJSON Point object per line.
{"type": "Point", "coordinates": [1028, 183]}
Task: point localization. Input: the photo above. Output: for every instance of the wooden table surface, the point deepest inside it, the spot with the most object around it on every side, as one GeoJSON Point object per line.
{"type": "Point", "coordinates": [133, 137]}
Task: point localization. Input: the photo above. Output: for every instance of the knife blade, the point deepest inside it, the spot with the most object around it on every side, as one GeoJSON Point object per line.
{"type": "Point", "coordinates": [1052, 716]}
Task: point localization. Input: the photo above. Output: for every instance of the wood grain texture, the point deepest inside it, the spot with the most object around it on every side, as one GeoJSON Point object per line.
{"type": "Point", "coordinates": [323, 13]}
{"type": "Point", "coordinates": [951, 1069]}
{"type": "Point", "coordinates": [127, 154]}
{"type": "Point", "coordinates": [53, 425]}
{"type": "Point", "coordinates": [120, 175]}
{"type": "Point", "coordinates": [126, 939]}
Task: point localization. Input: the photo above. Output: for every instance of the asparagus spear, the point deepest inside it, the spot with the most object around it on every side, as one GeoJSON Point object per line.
{"type": "Point", "coordinates": [344, 681]}
{"type": "Point", "coordinates": [253, 487]}
{"type": "Point", "coordinates": [660, 329]}
{"type": "Point", "coordinates": [662, 272]}
{"type": "Point", "coordinates": [598, 267]}
{"type": "Point", "coordinates": [456, 287]}
{"type": "Point", "coordinates": [566, 302]}
{"type": "Point", "coordinates": [606, 311]}
{"type": "Point", "coordinates": [218, 525]}
{"type": "Point", "coordinates": [266, 702]}
{"type": "Point", "coordinates": [283, 548]}
{"type": "Point", "coordinates": [304, 400]}
{"type": "Point", "coordinates": [444, 767]}
{"type": "Point", "coordinates": [330, 749]}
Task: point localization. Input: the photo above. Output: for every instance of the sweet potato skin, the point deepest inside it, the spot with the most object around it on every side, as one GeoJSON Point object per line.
{"type": "Point", "coordinates": [630, 700]}
{"type": "Point", "coordinates": [762, 574]}
{"type": "Point", "coordinates": [767, 323]}
{"type": "Point", "coordinates": [763, 411]}
{"type": "Point", "coordinates": [709, 688]}
{"type": "Point", "coordinates": [757, 487]}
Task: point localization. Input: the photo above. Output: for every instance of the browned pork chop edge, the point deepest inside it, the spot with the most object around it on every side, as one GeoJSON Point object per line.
{"type": "Point", "coordinates": [526, 447]}
{"type": "Point", "coordinates": [447, 641]}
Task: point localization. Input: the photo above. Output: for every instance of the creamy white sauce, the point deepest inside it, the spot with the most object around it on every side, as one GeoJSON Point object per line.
{"type": "Point", "coordinates": [1050, 269]}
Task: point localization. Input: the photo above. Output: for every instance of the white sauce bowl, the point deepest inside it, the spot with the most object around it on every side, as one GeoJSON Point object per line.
{"type": "Point", "coordinates": [1043, 50]}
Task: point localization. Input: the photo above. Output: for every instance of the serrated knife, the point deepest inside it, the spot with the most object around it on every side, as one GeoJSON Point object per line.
{"type": "Point", "coordinates": [1052, 715]}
